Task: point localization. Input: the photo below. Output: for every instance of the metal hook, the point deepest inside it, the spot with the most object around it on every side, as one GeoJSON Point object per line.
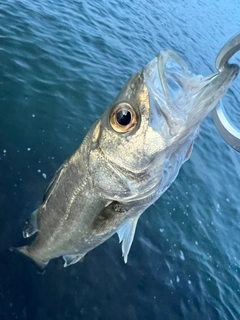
{"type": "Point", "coordinates": [225, 127]}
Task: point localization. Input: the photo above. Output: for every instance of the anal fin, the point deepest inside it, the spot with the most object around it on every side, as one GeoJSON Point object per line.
{"type": "Point", "coordinates": [30, 225]}
{"type": "Point", "coordinates": [72, 258]}
{"type": "Point", "coordinates": [126, 234]}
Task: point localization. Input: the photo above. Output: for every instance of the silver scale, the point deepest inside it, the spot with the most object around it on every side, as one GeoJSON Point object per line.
{"type": "Point", "coordinates": [229, 132]}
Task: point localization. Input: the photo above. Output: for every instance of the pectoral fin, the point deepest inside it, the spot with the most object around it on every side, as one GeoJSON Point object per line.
{"type": "Point", "coordinates": [108, 218]}
{"type": "Point", "coordinates": [126, 234]}
{"type": "Point", "coordinates": [72, 258]}
{"type": "Point", "coordinates": [30, 225]}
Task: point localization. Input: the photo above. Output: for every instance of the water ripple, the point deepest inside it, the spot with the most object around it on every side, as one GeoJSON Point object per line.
{"type": "Point", "coordinates": [62, 63]}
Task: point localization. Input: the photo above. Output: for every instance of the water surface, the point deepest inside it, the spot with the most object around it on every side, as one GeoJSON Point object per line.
{"type": "Point", "coordinates": [62, 63]}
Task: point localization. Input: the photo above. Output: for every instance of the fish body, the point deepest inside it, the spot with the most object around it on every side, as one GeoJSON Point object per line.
{"type": "Point", "coordinates": [127, 160]}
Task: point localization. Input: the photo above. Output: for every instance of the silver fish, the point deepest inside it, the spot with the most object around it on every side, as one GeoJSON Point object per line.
{"type": "Point", "coordinates": [127, 160]}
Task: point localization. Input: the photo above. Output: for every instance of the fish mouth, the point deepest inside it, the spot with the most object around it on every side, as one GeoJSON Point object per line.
{"type": "Point", "coordinates": [183, 98]}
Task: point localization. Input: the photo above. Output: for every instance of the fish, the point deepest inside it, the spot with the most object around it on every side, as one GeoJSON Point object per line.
{"type": "Point", "coordinates": [127, 160]}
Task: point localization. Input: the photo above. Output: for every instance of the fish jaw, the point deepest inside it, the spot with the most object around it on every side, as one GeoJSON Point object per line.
{"type": "Point", "coordinates": [182, 98]}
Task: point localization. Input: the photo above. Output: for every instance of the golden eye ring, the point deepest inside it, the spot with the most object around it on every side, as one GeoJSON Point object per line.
{"type": "Point", "coordinates": [123, 118]}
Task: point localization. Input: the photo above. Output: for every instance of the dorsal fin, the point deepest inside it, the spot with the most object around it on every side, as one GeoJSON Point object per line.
{"type": "Point", "coordinates": [30, 226]}
{"type": "Point", "coordinates": [53, 182]}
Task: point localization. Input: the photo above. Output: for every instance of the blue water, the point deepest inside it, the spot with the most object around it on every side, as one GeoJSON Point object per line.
{"type": "Point", "coordinates": [62, 63]}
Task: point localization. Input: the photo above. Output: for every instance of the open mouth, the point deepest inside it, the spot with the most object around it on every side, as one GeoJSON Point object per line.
{"type": "Point", "coordinates": [169, 80]}
{"type": "Point", "coordinates": [173, 73]}
{"type": "Point", "coordinates": [181, 95]}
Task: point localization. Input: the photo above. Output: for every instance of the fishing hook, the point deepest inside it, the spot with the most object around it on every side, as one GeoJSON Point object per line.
{"type": "Point", "coordinates": [229, 132]}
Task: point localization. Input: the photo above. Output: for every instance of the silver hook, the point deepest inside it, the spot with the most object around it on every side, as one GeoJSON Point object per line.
{"type": "Point", "coordinates": [229, 132]}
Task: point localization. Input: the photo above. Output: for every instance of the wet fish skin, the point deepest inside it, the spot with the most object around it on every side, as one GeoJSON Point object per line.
{"type": "Point", "coordinates": [74, 199]}
{"type": "Point", "coordinates": [112, 178]}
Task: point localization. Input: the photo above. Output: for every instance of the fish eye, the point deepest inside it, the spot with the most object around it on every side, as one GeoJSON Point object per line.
{"type": "Point", "coordinates": [123, 118]}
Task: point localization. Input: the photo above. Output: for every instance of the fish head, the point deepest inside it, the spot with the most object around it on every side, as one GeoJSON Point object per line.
{"type": "Point", "coordinates": [151, 125]}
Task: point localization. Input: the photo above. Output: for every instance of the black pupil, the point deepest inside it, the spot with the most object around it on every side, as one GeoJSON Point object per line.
{"type": "Point", "coordinates": [123, 117]}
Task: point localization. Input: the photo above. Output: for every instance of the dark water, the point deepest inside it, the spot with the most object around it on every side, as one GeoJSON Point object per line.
{"type": "Point", "coordinates": [62, 62]}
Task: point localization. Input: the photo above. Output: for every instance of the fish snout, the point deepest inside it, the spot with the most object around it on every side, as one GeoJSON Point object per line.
{"type": "Point", "coordinates": [207, 94]}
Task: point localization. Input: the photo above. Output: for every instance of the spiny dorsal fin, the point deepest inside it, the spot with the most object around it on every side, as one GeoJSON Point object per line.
{"type": "Point", "coordinates": [53, 182]}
